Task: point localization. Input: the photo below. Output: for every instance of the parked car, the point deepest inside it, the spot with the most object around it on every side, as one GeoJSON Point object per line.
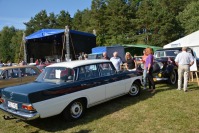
{"type": "Point", "coordinates": [69, 88]}
{"type": "Point", "coordinates": [165, 68]}
{"type": "Point", "coordinates": [16, 75]}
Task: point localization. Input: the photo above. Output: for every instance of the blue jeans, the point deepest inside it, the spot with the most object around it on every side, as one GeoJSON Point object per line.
{"type": "Point", "coordinates": [144, 77]}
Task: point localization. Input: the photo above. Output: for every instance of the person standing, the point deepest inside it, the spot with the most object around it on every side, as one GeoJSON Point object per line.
{"type": "Point", "coordinates": [117, 62]}
{"type": "Point", "coordinates": [130, 61]}
{"type": "Point", "coordinates": [104, 56]}
{"type": "Point", "coordinates": [183, 60]}
{"type": "Point", "coordinates": [145, 70]}
{"type": "Point", "coordinates": [37, 62]}
{"type": "Point", "coordinates": [149, 69]}
{"type": "Point", "coordinates": [85, 57]}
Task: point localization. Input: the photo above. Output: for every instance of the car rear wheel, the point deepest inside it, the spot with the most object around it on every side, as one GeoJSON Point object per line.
{"type": "Point", "coordinates": [135, 89]}
{"type": "Point", "coordinates": [74, 111]}
{"type": "Point", "coordinates": [173, 78]}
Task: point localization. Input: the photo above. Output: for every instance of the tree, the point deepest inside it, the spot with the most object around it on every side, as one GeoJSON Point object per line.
{"type": "Point", "coordinates": [98, 20]}
{"type": "Point", "coordinates": [189, 17]}
{"type": "Point", "coordinates": [40, 21]}
{"type": "Point", "coordinates": [6, 47]}
{"type": "Point", "coordinates": [117, 16]}
{"type": "Point", "coordinates": [63, 19]}
{"type": "Point", "coordinates": [77, 20]}
{"type": "Point", "coordinates": [52, 20]}
{"type": "Point", "coordinates": [17, 46]}
{"type": "Point", "coordinates": [156, 21]}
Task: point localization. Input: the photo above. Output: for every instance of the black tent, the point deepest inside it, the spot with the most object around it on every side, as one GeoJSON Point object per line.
{"type": "Point", "coordinates": [51, 44]}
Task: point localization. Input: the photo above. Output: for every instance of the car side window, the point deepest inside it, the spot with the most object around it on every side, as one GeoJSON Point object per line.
{"type": "Point", "coordinates": [106, 69]}
{"type": "Point", "coordinates": [10, 73]}
{"type": "Point", "coordinates": [5, 74]}
{"type": "Point", "coordinates": [88, 72]}
{"type": "Point", "coordinates": [14, 73]}
{"type": "Point", "coordinates": [27, 72]}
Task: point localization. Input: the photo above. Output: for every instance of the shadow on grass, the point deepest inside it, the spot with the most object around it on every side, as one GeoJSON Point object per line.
{"type": "Point", "coordinates": [56, 123]}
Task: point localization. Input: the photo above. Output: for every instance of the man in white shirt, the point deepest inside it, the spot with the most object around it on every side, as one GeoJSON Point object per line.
{"type": "Point", "coordinates": [183, 60]}
{"type": "Point", "coordinates": [117, 62]}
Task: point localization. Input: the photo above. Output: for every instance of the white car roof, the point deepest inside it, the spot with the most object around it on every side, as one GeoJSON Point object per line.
{"type": "Point", "coordinates": [76, 63]}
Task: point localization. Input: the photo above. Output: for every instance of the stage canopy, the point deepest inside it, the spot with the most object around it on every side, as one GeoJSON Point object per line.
{"type": "Point", "coordinates": [49, 32]}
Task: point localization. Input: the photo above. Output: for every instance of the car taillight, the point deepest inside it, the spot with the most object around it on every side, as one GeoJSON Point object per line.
{"type": "Point", "coordinates": [2, 100]}
{"type": "Point", "coordinates": [28, 107]}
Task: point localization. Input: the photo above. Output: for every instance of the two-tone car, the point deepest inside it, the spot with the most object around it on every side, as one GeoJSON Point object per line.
{"type": "Point", "coordinates": [16, 75]}
{"type": "Point", "coordinates": [69, 88]}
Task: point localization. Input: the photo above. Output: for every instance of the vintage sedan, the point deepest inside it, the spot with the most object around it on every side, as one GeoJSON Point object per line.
{"type": "Point", "coordinates": [165, 68]}
{"type": "Point", "coordinates": [15, 75]}
{"type": "Point", "coordinates": [69, 88]}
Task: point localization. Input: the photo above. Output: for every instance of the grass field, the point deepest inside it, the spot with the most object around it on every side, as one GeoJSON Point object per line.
{"type": "Point", "coordinates": [166, 111]}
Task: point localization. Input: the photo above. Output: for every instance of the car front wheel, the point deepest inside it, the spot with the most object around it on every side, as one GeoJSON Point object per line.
{"type": "Point", "coordinates": [74, 111]}
{"type": "Point", "coordinates": [134, 90]}
{"type": "Point", "coordinates": [173, 78]}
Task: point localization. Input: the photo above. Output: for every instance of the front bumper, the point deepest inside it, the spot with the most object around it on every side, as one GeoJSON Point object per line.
{"type": "Point", "coordinates": [161, 76]}
{"type": "Point", "coordinates": [160, 79]}
{"type": "Point", "coordinates": [19, 114]}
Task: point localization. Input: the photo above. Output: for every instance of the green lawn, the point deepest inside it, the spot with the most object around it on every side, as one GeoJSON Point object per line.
{"type": "Point", "coordinates": [166, 111]}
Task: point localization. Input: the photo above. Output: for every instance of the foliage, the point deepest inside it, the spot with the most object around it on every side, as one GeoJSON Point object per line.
{"type": "Point", "coordinates": [9, 43]}
{"type": "Point", "coordinates": [156, 22]}
{"type": "Point", "coordinates": [189, 17]}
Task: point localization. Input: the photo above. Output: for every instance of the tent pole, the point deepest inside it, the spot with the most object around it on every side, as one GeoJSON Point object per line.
{"type": "Point", "coordinates": [67, 43]}
{"type": "Point", "coordinates": [24, 43]}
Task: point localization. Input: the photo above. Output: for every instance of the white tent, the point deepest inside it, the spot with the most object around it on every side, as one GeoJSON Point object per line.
{"type": "Point", "coordinates": [191, 40]}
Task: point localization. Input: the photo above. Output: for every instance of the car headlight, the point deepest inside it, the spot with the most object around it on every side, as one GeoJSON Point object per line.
{"type": "Point", "coordinates": [159, 75]}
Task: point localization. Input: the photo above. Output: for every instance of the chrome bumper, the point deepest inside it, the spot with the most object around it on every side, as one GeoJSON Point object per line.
{"type": "Point", "coordinates": [19, 114]}
{"type": "Point", "coordinates": [160, 79]}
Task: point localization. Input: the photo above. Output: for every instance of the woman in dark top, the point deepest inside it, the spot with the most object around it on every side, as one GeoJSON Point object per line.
{"type": "Point", "coordinates": [130, 62]}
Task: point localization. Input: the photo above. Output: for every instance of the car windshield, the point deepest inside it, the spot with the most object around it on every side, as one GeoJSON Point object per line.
{"type": "Point", "coordinates": [167, 53]}
{"type": "Point", "coordinates": [56, 75]}
{"type": "Point", "coordinates": [94, 56]}
{"type": "Point", "coordinates": [171, 53]}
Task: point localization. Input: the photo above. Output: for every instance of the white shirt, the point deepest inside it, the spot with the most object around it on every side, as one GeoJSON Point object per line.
{"type": "Point", "coordinates": [184, 58]}
{"type": "Point", "coordinates": [116, 62]}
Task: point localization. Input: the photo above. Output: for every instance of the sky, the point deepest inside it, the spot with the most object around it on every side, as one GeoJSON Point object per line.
{"type": "Point", "coordinates": [15, 12]}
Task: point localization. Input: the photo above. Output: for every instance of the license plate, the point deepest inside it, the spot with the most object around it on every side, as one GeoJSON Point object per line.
{"type": "Point", "coordinates": [12, 105]}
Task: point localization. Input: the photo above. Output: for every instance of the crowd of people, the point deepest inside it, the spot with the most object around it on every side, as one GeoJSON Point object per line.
{"type": "Point", "coordinates": [183, 60]}
{"type": "Point", "coordinates": [9, 63]}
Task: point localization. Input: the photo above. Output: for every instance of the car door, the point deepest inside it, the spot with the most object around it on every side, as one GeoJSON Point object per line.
{"type": "Point", "coordinates": [89, 80]}
{"type": "Point", "coordinates": [10, 77]}
{"type": "Point", "coordinates": [115, 83]}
